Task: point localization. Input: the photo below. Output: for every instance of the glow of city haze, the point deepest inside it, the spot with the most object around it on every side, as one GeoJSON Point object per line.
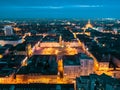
{"type": "Point", "coordinates": [57, 7]}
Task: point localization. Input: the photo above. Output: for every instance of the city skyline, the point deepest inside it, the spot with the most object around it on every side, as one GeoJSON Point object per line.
{"type": "Point", "coordinates": [60, 9]}
{"type": "Point", "coordinates": [59, 54]}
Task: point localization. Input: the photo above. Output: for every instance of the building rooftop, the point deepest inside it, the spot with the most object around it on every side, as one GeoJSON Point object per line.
{"type": "Point", "coordinates": [102, 79]}
{"type": "Point", "coordinates": [12, 60]}
{"type": "Point", "coordinates": [9, 46]}
{"type": "Point", "coordinates": [3, 64]}
{"type": "Point", "coordinates": [51, 38]}
{"type": "Point", "coordinates": [10, 38]}
{"type": "Point", "coordinates": [37, 86]}
{"type": "Point", "coordinates": [20, 47]}
{"type": "Point", "coordinates": [6, 72]}
{"type": "Point", "coordinates": [71, 60]}
{"type": "Point", "coordinates": [32, 39]}
{"type": "Point", "coordinates": [83, 79]}
{"type": "Point", "coordinates": [84, 56]}
{"type": "Point", "coordinates": [2, 50]}
{"type": "Point", "coordinates": [41, 64]}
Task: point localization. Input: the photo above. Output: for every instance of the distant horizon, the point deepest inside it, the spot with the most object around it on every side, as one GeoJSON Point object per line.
{"type": "Point", "coordinates": [42, 18]}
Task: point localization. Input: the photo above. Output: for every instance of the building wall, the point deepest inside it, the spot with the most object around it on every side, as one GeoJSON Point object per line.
{"type": "Point", "coordinates": [72, 71]}
{"type": "Point", "coordinates": [86, 66]}
{"type": "Point", "coordinates": [103, 66]}
{"type": "Point", "coordinates": [6, 79]}
{"type": "Point", "coordinates": [116, 73]}
{"type": "Point", "coordinates": [116, 62]}
{"type": "Point", "coordinates": [57, 44]}
{"type": "Point", "coordinates": [30, 78]}
{"type": "Point", "coordinates": [8, 30]}
{"type": "Point", "coordinates": [49, 44]}
{"type": "Point", "coordinates": [20, 53]}
{"type": "Point", "coordinates": [71, 44]}
{"type": "Point", "coordinates": [2, 42]}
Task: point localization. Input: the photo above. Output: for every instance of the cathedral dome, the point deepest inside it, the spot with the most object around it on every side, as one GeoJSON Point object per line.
{"type": "Point", "coordinates": [88, 25]}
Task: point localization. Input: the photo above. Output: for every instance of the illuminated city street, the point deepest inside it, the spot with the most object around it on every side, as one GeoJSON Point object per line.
{"type": "Point", "coordinates": [59, 45]}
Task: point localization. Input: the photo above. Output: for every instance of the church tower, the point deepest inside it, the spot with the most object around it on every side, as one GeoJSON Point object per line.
{"type": "Point", "coordinates": [60, 40]}
{"type": "Point", "coordinates": [88, 25]}
{"type": "Point", "coordinates": [29, 50]}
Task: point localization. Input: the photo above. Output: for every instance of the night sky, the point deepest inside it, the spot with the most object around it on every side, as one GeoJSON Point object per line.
{"type": "Point", "coordinates": [59, 8]}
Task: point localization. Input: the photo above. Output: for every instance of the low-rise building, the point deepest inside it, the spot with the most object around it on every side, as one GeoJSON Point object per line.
{"type": "Point", "coordinates": [13, 40]}
{"type": "Point", "coordinates": [37, 86]}
{"type": "Point", "coordinates": [38, 67]}
{"type": "Point", "coordinates": [6, 75]}
{"type": "Point", "coordinates": [3, 51]}
{"type": "Point", "coordinates": [97, 82]}
{"type": "Point", "coordinates": [71, 66]}
{"type": "Point", "coordinates": [86, 64]}
{"type": "Point", "coordinates": [50, 41]}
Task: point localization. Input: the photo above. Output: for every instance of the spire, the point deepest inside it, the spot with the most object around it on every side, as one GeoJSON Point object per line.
{"type": "Point", "coordinates": [89, 21]}
{"type": "Point", "coordinates": [88, 25]}
{"type": "Point", "coordinates": [60, 40]}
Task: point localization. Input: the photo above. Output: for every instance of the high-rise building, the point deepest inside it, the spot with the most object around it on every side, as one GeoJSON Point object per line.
{"type": "Point", "coordinates": [8, 30]}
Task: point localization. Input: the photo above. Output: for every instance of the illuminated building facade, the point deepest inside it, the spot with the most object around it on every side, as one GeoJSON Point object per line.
{"type": "Point", "coordinates": [13, 40]}
{"type": "Point", "coordinates": [88, 25]}
{"type": "Point", "coordinates": [8, 30]}
{"type": "Point", "coordinates": [71, 66]}
{"type": "Point", "coordinates": [86, 64]}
